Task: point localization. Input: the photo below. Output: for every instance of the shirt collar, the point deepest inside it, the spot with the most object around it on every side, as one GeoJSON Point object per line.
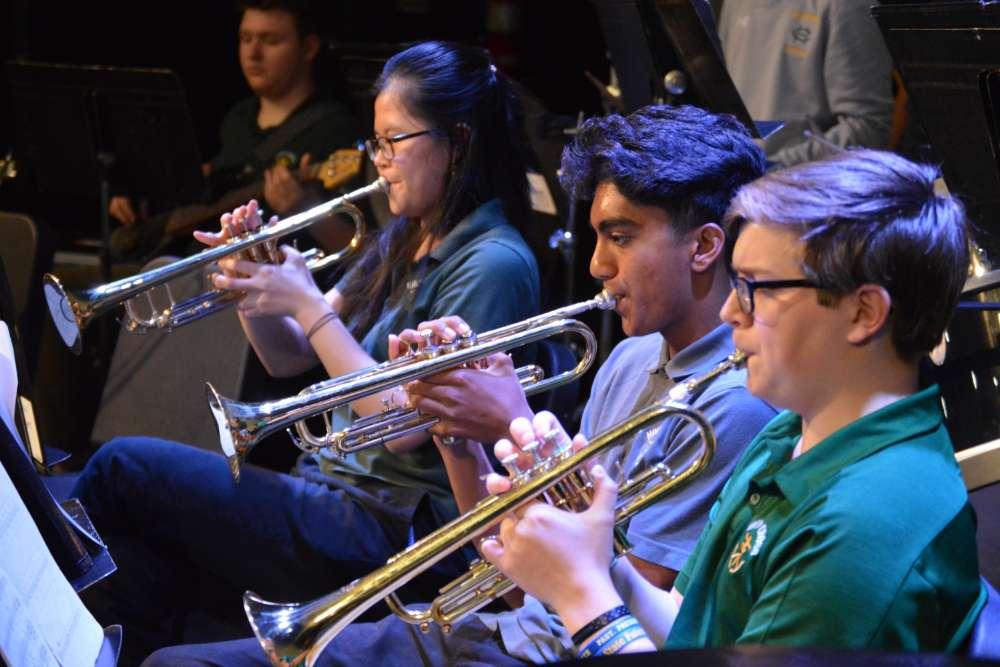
{"type": "Point", "coordinates": [913, 415]}
{"type": "Point", "coordinates": [698, 357]}
{"type": "Point", "coordinates": [480, 221]}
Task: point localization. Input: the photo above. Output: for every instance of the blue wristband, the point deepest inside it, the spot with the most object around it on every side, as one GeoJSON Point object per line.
{"type": "Point", "coordinates": [616, 637]}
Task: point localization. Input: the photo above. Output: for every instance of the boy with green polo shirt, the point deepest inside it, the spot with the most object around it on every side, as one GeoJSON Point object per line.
{"type": "Point", "coordinates": [846, 523]}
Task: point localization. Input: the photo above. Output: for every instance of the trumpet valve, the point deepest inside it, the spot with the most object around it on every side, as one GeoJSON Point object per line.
{"type": "Point", "coordinates": [466, 340]}
{"type": "Point", "coordinates": [427, 349]}
{"type": "Point", "coordinates": [274, 255]}
{"type": "Point", "coordinates": [532, 449]}
{"type": "Point", "coordinates": [510, 463]}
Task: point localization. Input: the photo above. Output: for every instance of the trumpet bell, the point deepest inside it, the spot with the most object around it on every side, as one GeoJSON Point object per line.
{"type": "Point", "coordinates": [233, 438]}
{"type": "Point", "coordinates": [287, 627]}
{"type": "Point", "coordinates": [67, 315]}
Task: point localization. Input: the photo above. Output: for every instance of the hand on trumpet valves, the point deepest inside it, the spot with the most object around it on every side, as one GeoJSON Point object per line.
{"type": "Point", "coordinates": [434, 332]}
{"type": "Point", "coordinates": [529, 442]}
{"type": "Point", "coordinates": [473, 403]}
{"type": "Point", "coordinates": [245, 218]}
{"type": "Point", "coordinates": [287, 288]}
{"type": "Point", "coordinates": [560, 557]}
{"type": "Point", "coordinates": [443, 330]}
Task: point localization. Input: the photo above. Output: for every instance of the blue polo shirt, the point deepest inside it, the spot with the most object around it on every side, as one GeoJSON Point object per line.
{"type": "Point", "coordinates": [865, 541]}
{"type": "Point", "coordinates": [482, 271]}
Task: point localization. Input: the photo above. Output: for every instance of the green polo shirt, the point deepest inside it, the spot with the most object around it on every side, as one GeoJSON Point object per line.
{"type": "Point", "coordinates": [865, 541]}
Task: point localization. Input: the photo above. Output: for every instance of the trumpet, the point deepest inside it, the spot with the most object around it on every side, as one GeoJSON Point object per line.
{"type": "Point", "coordinates": [72, 312]}
{"type": "Point", "coordinates": [242, 425]}
{"type": "Point", "coordinates": [296, 633]}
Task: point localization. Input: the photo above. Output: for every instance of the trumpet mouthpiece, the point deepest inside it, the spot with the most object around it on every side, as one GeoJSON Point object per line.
{"type": "Point", "coordinates": [605, 300]}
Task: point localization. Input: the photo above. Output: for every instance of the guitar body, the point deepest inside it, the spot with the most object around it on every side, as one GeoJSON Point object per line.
{"type": "Point", "coordinates": [162, 233]}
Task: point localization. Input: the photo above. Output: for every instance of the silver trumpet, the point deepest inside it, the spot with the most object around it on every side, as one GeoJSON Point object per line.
{"type": "Point", "coordinates": [293, 634]}
{"type": "Point", "coordinates": [72, 312]}
{"type": "Point", "coordinates": [243, 425]}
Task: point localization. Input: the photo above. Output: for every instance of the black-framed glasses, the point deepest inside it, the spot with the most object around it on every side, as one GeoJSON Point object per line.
{"type": "Point", "coordinates": [745, 288]}
{"type": "Point", "coordinates": [383, 145]}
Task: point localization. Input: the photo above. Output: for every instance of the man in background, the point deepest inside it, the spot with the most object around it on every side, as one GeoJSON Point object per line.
{"type": "Point", "coordinates": [820, 66]}
{"type": "Point", "coordinates": [268, 140]}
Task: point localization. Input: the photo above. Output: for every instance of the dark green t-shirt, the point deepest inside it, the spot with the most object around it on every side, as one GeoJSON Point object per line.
{"type": "Point", "coordinates": [236, 164]}
{"type": "Point", "coordinates": [865, 541]}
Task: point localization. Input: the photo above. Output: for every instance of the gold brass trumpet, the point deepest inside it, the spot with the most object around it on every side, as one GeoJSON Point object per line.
{"type": "Point", "coordinates": [243, 425]}
{"type": "Point", "coordinates": [72, 312]}
{"type": "Point", "coordinates": [292, 634]}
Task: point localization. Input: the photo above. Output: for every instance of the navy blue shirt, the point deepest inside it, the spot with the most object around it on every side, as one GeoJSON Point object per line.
{"type": "Point", "coordinates": [482, 271]}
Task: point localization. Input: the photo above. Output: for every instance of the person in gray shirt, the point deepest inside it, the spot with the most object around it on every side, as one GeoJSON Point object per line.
{"type": "Point", "coordinates": [659, 180]}
{"type": "Point", "coordinates": [820, 66]}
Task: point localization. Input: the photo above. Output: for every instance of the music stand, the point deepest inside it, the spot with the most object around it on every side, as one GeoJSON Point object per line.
{"type": "Point", "coordinates": [949, 57]}
{"type": "Point", "coordinates": [667, 51]}
{"type": "Point", "coordinates": [79, 124]}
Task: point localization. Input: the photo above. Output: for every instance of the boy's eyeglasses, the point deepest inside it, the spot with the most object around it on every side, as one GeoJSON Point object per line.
{"type": "Point", "coordinates": [745, 288]}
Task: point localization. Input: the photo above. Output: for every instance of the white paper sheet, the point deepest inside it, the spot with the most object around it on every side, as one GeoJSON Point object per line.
{"type": "Point", "coordinates": [42, 620]}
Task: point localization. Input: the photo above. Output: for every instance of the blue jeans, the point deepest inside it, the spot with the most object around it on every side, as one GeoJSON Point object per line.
{"type": "Point", "coordinates": [188, 540]}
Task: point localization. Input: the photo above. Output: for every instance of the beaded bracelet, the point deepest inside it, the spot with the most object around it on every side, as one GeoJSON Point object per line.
{"type": "Point", "coordinates": [604, 619]}
{"type": "Point", "coordinates": [620, 634]}
{"type": "Point", "coordinates": [320, 323]}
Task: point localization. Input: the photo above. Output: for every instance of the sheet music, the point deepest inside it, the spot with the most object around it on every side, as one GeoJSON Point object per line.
{"type": "Point", "coordinates": [44, 623]}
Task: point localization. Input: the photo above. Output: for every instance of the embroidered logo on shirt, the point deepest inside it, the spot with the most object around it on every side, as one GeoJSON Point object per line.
{"type": "Point", "coordinates": [803, 27]}
{"type": "Point", "coordinates": [750, 545]}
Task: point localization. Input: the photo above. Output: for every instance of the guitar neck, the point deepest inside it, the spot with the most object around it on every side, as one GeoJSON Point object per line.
{"type": "Point", "coordinates": [338, 169]}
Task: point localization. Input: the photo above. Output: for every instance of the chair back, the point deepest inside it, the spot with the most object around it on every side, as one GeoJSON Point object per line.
{"type": "Point", "coordinates": [156, 383]}
{"type": "Point", "coordinates": [18, 244]}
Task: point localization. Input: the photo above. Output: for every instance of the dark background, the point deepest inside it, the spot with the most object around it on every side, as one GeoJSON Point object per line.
{"type": "Point", "coordinates": [545, 46]}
